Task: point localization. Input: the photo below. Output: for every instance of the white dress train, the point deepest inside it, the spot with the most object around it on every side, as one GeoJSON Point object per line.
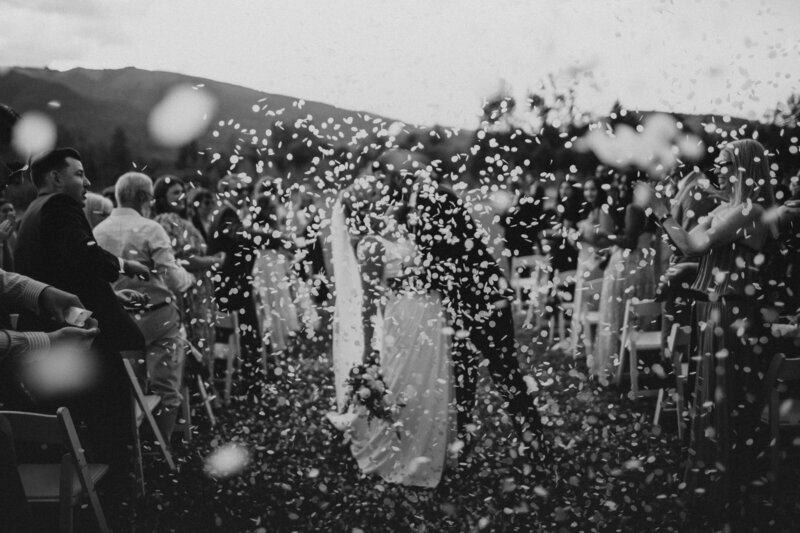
{"type": "Point", "coordinates": [416, 366]}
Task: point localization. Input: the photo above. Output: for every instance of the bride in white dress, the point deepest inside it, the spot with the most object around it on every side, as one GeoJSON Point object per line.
{"type": "Point", "coordinates": [379, 306]}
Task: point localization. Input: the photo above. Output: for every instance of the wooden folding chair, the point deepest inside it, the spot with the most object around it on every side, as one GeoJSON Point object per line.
{"type": "Point", "coordinates": [233, 350]}
{"type": "Point", "coordinates": [185, 424]}
{"type": "Point", "coordinates": [677, 351]}
{"type": "Point", "coordinates": [67, 483]}
{"type": "Point", "coordinates": [780, 415]}
{"type": "Point", "coordinates": [143, 406]}
{"type": "Point", "coordinates": [635, 339]}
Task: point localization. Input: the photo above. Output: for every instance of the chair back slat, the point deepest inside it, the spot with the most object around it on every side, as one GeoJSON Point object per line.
{"type": "Point", "coordinates": [790, 370]}
{"type": "Point", "coordinates": [34, 427]}
{"type": "Point", "coordinates": [71, 438]}
{"type": "Point", "coordinates": [539, 261]}
{"type": "Point", "coordinates": [566, 276]}
{"type": "Point", "coordinates": [646, 308]}
{"type": "Point", "coordinates": [678, 338]}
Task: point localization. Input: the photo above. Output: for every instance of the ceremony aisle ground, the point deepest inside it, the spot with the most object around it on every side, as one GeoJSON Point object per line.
{"type": "Point", "coordinates": [611, 470]}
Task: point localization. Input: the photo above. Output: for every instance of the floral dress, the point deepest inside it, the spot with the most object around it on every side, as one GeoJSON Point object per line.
{"type": "Point", "coordinates": [197, 304]}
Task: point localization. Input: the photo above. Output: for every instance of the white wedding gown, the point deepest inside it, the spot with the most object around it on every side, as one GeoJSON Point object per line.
{"type": "Point", "coordinates": [415, 363]}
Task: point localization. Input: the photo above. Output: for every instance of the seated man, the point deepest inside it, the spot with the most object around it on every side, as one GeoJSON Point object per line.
{"type": "Point", "coordinates": [128, 233]}
{"type": "Point", "coordinates": [55, 245]}
{"type": "Point", "coordinates": [44, 300]}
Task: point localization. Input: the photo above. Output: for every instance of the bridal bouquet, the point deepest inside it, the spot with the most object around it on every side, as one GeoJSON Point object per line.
{"type": "Point", "coordinates": [366, 389]}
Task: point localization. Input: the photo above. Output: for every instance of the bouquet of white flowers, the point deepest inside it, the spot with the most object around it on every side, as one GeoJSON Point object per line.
{"type": "Point", "coordinates": [367, 390]}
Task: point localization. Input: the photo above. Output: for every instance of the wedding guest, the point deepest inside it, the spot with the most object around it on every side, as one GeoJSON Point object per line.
{"type": "Point", "coordinates": [191, 252]}
{"type": "Point", "coordinates": [487, 214]}
{"type": "Point", "coordinates": [8, 234]}
{"type": "Point", "coordinates": [97, 208]}
{"type": "Point", "coordinates": [596, 223]}
{"type": "Point", "coordinates": [564, 219]}
{"type": "Point", "coordinates": [108, 193]}
{"type": "Point", "coordinates": [200, 208]}
{"type": "Point", "coordinates": [15, 348]}
{"type": "Point", "coordinates": [311, 259]}
{"type": "Point", "coordinates": [523, 221]}
{"type": "Point", "coordinates": [55, 245]}
{"type": "Point", "coordinates": [794, 187]}
{"type": "Point", "coordinates": [273, 278]}
{"type": "Point", "coordinates": [694, 200]}
{"type": "Point", "coordinates": [630, 274]}
{"type": "Point", "coordinates": [128, 233]}
{"type": "Point", "coordinates": [727, 388]}
{"type": "Point", "coordinates": [233, 280]}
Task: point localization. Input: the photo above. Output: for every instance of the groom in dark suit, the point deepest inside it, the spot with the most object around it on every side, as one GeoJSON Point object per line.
{"type": "Point", "coordinates": [458, 265]}
{"type": "Point", "coordinates": [55, 246]}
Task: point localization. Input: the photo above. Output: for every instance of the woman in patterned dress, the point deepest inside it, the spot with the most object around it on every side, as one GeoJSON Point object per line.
{"type": "Point", "coordinates": [729, 327]}
{"type": "Point", "coordinates": [597, 225]}
{"type": "Point", "coordinates": [199, 312]}
{"type": "Point", "coordinates": [630, 274]}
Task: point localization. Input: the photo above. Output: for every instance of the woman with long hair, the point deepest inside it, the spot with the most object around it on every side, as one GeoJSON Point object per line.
{"type": "Point", "coordinates": [596, 225]}
{"type": "Point", "coordinates": [729, 327]}
{"type": "Point", "coordinates": [198, 310]}
{"type": "Point", "coordinates": [274, 281]}
{"type": "Point", "coordinates": [200, 209]}
{"type": "Point", "coordinates": [630, 274]}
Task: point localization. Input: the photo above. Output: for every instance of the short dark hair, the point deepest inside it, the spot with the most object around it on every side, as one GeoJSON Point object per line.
{"type": "Point", "coordinates": [45, 163]}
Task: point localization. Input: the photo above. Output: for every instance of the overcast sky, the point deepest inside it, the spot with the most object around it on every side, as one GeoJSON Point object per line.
{"type": "Point", "coordinates": [431, 61]}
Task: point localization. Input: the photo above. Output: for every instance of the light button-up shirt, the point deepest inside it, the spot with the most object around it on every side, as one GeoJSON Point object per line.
{"type": "Point", "coordinates": [129, 235]}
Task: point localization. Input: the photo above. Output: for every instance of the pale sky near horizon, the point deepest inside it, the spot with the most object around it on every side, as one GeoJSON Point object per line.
{"type": "Point", "coordinates": [431, 62]}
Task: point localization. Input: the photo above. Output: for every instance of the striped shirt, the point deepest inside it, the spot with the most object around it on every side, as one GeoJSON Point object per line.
{"type": "Point", "coordinates": [24, 292]}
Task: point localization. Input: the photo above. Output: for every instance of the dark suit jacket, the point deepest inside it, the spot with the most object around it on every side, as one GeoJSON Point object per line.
{"type": "Point", "coordinates": [455, 259]}
{"type": "Point", "coordinates": [233, 280]}
{"type": "Point", "coordinates": [55, 245]}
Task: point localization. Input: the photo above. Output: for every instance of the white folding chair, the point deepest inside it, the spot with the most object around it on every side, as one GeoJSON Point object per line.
{"type": "Point", "coordinates": [636, 339]}
{"type": "Point", "coordinates": [67, 483]}
{"type": "Point", "coordinates": [232, 351]}
{"type": "Point", "coordinates": [558, 319]}
{"type": "Point", "coordinates": [531, 284]}
{"type": "Point", "coordinates": [587, 318]}
{"type": "Point", "coordinates": [185, 425]}
{"type": "Point", "coordinates": [780, 415]}
{"type": "Point", "coordinates": [676, 350]}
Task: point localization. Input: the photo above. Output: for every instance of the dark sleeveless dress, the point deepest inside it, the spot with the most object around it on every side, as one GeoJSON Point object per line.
{"type": "Point", "coordinates": [725, 414]}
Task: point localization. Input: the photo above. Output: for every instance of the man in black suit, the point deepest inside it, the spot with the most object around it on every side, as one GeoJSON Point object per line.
{"type": "Point", "coordinates": [233, 280]}
{"type": "Point", "coordinates": [55, 245]}
{"type": "Point", "coordinates": [475, 291]}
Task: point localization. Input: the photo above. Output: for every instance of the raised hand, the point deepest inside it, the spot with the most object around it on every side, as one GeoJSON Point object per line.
{"type": "Point", "coordinates": [134, 269]}
{"type": "Point", "coordinates": [132, 298]}
{"type": "Point", "coordinates": [6, 229]}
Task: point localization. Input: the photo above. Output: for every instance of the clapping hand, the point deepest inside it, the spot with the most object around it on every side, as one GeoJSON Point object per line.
{"type": "Point", "coordinates": [134, 269]}
{"type": "Point", "coordinates": [655, 200]}
{"type": "Point", "coordinates": [132, 299]}
{"type": "Point", "coordinates": [6, 229]}
{"type": "Point", "coordinates": [56, 303]}
{"type": "Point", "coordinates": [219, 258]}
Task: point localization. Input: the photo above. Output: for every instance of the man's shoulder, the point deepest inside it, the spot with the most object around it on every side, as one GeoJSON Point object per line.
{"type": "Point", "coordinates": [103, 227]}
{"type": "Point", "coordinates": [56, 201]}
